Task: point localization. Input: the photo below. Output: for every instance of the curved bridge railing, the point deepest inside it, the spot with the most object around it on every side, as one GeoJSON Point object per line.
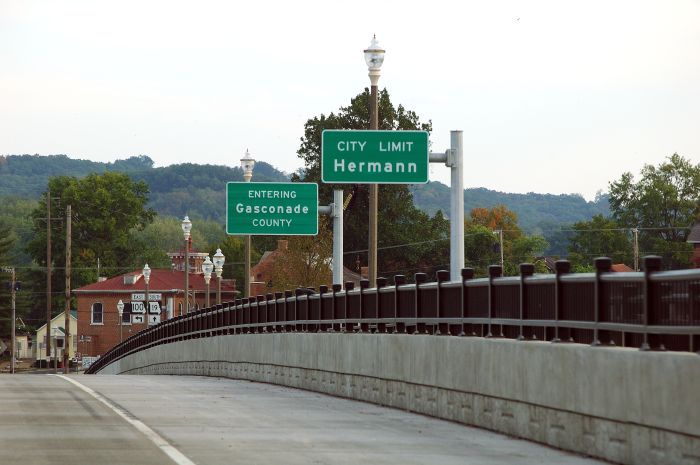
{"type": "Point", "coordinates": [649, 310]}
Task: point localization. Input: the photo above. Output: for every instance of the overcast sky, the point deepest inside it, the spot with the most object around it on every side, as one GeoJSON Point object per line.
{"type": "Point", "coordinates": [552, 96]}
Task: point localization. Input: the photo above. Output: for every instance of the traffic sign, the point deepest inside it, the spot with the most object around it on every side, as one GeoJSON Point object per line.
{"type": "Point", "coordinates": [136, 318]}
{"type": "Point", "coordinates": [138, 307]}
{"type": "Point", "coordinates": [374, 157]}
{"type": "Point", "coordinates": [268, 208]}
{"type": "Point", "coordinates": [153, 319]}
{"type": "Point", "coordinates": [154, 307]}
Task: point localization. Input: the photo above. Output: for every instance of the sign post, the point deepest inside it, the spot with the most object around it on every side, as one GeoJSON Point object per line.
{"type": "Point", "coordinates": [374, 157]}
{"type": "Point", "coordinates": [265, 208]}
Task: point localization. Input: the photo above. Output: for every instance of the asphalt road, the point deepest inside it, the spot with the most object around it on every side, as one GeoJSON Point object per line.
{"type": "Point", "coordinates": [93, 420]}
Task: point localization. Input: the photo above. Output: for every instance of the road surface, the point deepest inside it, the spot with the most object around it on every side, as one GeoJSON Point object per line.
{"type": "Point", "coordinates": [93, 420]}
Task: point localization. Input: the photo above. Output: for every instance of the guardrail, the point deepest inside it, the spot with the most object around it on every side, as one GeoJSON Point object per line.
{"type": "Point", "coordinates": [650, 310]}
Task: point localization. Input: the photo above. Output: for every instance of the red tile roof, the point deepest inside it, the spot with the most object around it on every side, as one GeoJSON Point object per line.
{"type": "Point", "coordinates": [161, 281]}
{"type": "Point", "coordinates": [620, 267]}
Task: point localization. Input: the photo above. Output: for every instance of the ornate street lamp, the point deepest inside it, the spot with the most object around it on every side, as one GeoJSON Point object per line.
{"type": "Point", "coordinates": [207, 268]}
{"type": "Point", "coordinates": [247, 164]}
{"type": "Point", "coordinates": [120, 310]}
{"type": "Point", "coordinates": [146, 280]}
{"type": "Point", "coordinates": [374, 57]}
{"type": "Point", "coordinates": [219, 267]}
{"type": "Point", "coordinates": [186, 228]}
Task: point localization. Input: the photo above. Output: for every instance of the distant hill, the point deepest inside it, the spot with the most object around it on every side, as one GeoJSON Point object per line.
{"type": "Point", "coordinates": [544, 214]}
{"type": "Point", "coordinates": [198, 190]}
{"type": "Point", "coordinates": [533, 210]}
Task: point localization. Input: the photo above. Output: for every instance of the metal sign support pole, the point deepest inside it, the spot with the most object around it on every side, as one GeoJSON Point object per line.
{"type": "Point", "coordinates": [454, 159]}
{"type": "Point", "coordinates": [335, 211]}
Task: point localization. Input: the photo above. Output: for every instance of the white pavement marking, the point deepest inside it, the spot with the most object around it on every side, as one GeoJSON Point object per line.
{"type": "Point", "coordinates": [160, 442]}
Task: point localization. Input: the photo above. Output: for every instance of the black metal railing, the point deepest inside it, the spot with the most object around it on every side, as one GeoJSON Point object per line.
{"type": "Point", "coordinates": [649, 310]}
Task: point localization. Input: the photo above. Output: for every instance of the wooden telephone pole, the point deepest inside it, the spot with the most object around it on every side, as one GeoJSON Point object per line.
{"type": "Point", "coordinates": [66, 326]}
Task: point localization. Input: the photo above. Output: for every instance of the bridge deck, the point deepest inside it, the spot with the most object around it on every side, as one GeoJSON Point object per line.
{"type": "Point", "coordinates": [47, 419]}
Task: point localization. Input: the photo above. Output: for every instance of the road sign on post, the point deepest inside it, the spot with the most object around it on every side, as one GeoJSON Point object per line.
{"type": "Point", "coordinates": [374, 157]}
{"type": "Point", "coordinates": [267, 208]}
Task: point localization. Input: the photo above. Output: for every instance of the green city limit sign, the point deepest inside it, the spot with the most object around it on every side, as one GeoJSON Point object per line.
{"type": "Point", "coordinates": [272, 208]}
{"type": "Point", "coordinates": [369, 157]}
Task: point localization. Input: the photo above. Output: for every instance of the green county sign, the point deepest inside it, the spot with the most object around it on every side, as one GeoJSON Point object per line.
{"type": "Point", "coordinates": [264, 208]}
{"type": "Point", "coordinates": [369, 157]}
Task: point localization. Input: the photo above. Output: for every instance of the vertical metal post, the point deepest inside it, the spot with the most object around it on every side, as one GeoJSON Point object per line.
{"type": "Point", "coordinates": [148, 306]}
{"type": "Point", "coordinates": [66, 338]}
{"type": "Point", "coordinates": [187, 275]}
{"type": "Point", "coordinates": [337, 236]}
{"type": "Point", "coordinates": [652, 263]}
{"type": "Point", "coordinates": [456, 203]}
{"type": "Point", "coordinates": [399, 280]}
{"type": "Point", "coordinates": [635, 231]}
{"type": "Point", "coordinates": [526, 269]}
{"type": "Point", "coordinates": [419, 278]}
{"type": "Point", "coordinates": [247, 266]}
{"type": "Point", "coordinates": [602, 265]}
{"type": "Point", "coordinates": [219, 277]}
{"type": "Point", "coordinates": [500, 247]}
{"type": "Point", "coordinates": [373, 190]}
{"type": "Point", "coordinates": [561, 267]}
{"type": "Point", "coordinates": [495, 271]}
{"type": "Point", "coordinates": [466, 274]}
{"type": "Point", "coordinates": [442, 276]}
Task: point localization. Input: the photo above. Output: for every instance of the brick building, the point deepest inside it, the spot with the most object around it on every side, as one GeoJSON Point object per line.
{"type": "Point", "coordinates": [98, 318]}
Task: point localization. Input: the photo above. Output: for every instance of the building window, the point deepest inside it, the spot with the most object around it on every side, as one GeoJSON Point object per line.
{"type": "Point", "coordinates": [96, 313]}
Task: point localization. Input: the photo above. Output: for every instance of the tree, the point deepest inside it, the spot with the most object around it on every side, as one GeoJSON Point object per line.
{"type": "Point", "coordinates": [306, 262]}
{"type": "Point", "coordinates": [663, 204]}
{"type": "Point", "coordinates": [399, 221]}
{"type": "Point", "coordinates": [482, 245]}
{"type": "Point", "coordinates": [106, 208]}
{"type": "Point", "coordinates": [599, 237]}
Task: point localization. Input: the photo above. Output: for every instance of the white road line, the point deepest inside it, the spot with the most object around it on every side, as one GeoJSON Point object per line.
{"type": "Point", "coordinates": [160, 442]}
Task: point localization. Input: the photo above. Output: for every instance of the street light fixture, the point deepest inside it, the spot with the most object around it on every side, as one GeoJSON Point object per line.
{"type": "Point", "coordinates": [247, 164]}
{"type": "Point", "coordinates": [219, 267]}
{"type": "Point", "coordinates": [186, 228]}
{"type": "Point", "coordinates": [207, 268]}
{"type": "Point", "coordinates": [146, 280]}
{"type": "Point", "coordinates": [120, 310]}
{"type": "Point", "coordinates": [374, 57]}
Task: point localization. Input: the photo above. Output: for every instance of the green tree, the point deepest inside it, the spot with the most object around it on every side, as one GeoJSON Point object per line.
{"type": "Point", "coordinates": [599, 237]}
{"type": "Point", "coordinates": [400, 222]}
{"type": "Point", "coordinates": [106, 209]}
{"type": "Point", "coordinates": [482, 241]}
{"type": "Point", "coordinates": [663, 204]}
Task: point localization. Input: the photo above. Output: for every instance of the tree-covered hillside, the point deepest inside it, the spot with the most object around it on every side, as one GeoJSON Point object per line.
{"type": "Point", "coordinates": [197, 190]}
{"type": "Point", "coordinates": [536, 212]}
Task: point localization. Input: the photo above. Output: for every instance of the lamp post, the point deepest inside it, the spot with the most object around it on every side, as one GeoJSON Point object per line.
{"type": "Point", "coordinates": [374, 57]}
{"type": "Point", "coordinates": [207, 268]}
{"type": "Point", "coordinates": [247, 164]}
{"type": "Point", "coordinates": [146, 280]}
{"type": "Point", "coordinates": [120, 310]}
{"type": "Point", "coordinates": [186, 228]}
{"type": "Point", "coordinates": [219, 267]}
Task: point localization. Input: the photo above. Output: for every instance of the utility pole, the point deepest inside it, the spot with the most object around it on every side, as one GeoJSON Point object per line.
{"type": "Point", "coordinates": [48, 277]}
{"type": "Point", "coordinates": [13, 343]}
{"type": "Point", "coordinates": [66, 340]}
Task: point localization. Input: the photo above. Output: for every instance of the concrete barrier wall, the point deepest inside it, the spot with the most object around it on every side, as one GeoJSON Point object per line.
{"type": "Point", "coordinates": [619, 404]}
